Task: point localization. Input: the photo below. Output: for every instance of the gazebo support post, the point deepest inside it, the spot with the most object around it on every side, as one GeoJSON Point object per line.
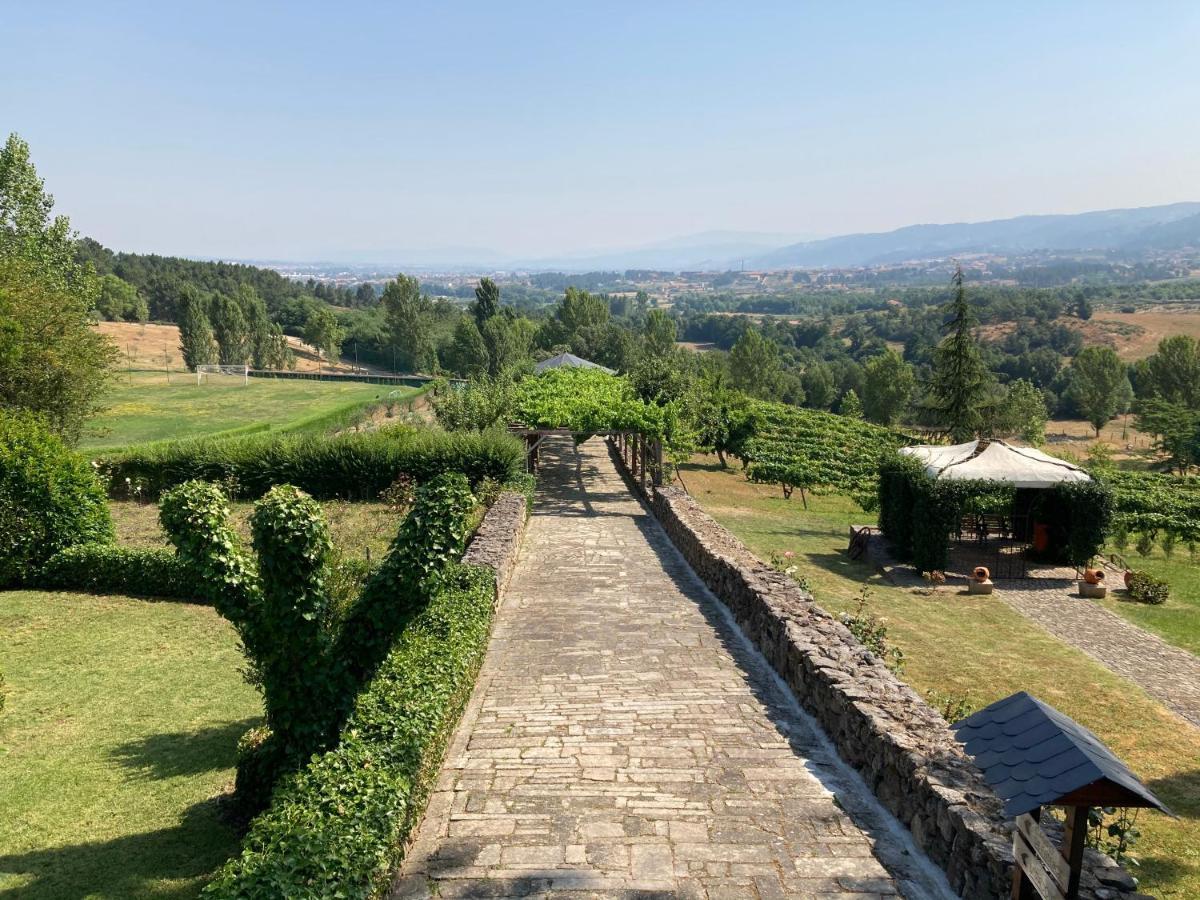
{"type": "Point", "coordinates": [1072, 846]}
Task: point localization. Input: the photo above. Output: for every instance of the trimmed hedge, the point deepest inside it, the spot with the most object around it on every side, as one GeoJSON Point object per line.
{"type": "Point", "coordinates": [337, 828]}
{"type": "Point", "coordinates": [350, 466]}
{"type": "Point", "coordinates": [108, 569]}
{"type": "Point", "coordinates": [50, 498]}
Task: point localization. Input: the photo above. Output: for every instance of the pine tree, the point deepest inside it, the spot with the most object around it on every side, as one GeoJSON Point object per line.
{"type": "Point", "coordinates": [960, 392]}
{"type": "Point", "coordinates": [195, 334]}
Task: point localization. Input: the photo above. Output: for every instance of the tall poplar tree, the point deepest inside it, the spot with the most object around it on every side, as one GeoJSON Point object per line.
{"type": "Point", "coordinates": [195, 333]}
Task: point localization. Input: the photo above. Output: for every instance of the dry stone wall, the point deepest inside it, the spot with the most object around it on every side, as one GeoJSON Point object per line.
{"type": "Point", "coordinates": [498, 538]}
{"type": "Point", "coordinates": [901, 746]}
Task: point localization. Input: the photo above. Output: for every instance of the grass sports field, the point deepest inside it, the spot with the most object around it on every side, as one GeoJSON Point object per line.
{"type": "Point", "coordinates": [144, 406]}
{"type": "Point", "coordinates": [117, 745]}
{"type": "Point", "coordinates": [981, 650]}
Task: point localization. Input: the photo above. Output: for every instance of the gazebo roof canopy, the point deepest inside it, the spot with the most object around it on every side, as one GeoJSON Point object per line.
{"type": "Point", "coordinates": [1032, 755]}
{"type": "Point", "coordinates": [569, 360]}
{"type": "Point", "coordinates": [1022, 467]}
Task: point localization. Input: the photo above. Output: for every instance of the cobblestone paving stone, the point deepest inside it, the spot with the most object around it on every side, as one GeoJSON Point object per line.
{"type": "Point", "coordinates": [1168, 673]}
{"type": "Point", "coordinates": [622, 743]}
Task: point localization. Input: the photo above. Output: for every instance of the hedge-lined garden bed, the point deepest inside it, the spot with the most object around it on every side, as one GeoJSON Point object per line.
{"type": "Point", "coordinates": [351, 466]}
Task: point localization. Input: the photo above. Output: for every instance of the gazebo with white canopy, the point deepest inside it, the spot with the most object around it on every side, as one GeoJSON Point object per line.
{"type": "Point", "coordinates": [1022, 467]}
{"type": "Point", "coordinates": [1001, 505]}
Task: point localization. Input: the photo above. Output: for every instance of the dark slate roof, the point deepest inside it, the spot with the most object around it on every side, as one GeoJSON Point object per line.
{"type": "Point", "coordinates": [1032, 755]}
{"type": "Point", "coordinates": [570, 360]}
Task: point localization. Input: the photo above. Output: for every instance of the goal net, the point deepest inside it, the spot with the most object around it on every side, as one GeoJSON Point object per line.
{"type": "Point", "coordinates": [222, 374]}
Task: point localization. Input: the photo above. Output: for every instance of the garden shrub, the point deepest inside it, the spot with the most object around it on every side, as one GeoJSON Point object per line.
{"type": "Point", "coordinates": [50, 498]}
{"type": "Point", "coordinates": [309, 648]}
{"type": "Point", "coordinates": [1145, 588]}
{"type": "Point", "coordinates": [349, 466]}
{"type": "Point", "coordinates": [337, 827]}
{"type": "Point", "coordinates": [109, 569]}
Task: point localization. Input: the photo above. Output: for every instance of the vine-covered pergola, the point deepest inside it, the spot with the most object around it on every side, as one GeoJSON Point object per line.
{"type": "Point", "coordinates": [990, 492]}
{"type": "Point", "coordinates": [588, 401]}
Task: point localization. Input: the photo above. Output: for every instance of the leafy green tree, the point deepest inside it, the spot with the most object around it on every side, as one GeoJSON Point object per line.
{"type": "Point", "coordinates": [851, 407]}
{"type": "Point", "coordinates": [28, 233]}
{"type": "Point", "coordinates": [1097, 384]}
{"type": "Point", "coordinates": [196, 341]}
{"type": "Point", "coordinates": [268, 346]}
{"type": "Point", "coordinates": [508, 341]}
{"type": "Point", "coordinates": [1173, 372]}
{"type": "Point", "coordinates": [887, 388]}
{"type": "Point", "coordinates": [820, 392]}
{"type": "Point", "coordinates": [119, 300]}
{"type": "Point", "coordinates": [365, 295]}
{"type": "Point", "coordinates": [960, 394]}
{"type": "Point", "coordinates": [468, 354]}
{"type": "Point", "coordinates": [51, 360]}
{"type": "Point", "coordinates": [409, 317]}
{"type": "Point", "coordinates": [322, 331]}
{"type": "Point", "coordinates": [1022, 412]}
{"type": "Point", "coordinates": [487, 302]}
{"type": "Point", "coordinates": [231, 330]}
{"type": "Point", "coordinates": [1176, 429]}
{"type": "Point", "coordinates": [754, 365]}
{"type": "Point", "coordinates": [658, 333]}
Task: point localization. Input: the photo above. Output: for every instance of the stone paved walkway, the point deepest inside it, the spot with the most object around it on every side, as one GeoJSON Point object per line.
{"type": "Point", "coordinates": [1169, 674]}
{"type": "Point", "coordinates": [623, 741]}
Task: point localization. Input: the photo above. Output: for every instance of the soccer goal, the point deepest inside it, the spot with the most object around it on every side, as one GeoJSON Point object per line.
{"type": "Point", "coordinates": [222, 374]}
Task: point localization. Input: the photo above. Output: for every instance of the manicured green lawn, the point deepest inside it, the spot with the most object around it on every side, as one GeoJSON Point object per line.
{"type": "Point", "coordinates": [117, 745]}
{"type": "Point", "coordinates": [1177, 620]}
{"type": "Point", "coordinates": [979, 649]}
{"type": "Point", "coordinates": [145, 407]}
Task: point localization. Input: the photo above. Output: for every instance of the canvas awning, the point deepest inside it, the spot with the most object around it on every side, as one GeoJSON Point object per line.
{"type": "Point", "coordinates": [1023, 467]}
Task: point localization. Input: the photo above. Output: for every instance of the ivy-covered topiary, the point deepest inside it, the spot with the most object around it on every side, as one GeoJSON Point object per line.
{"type": "Point", "coordinates": [50, 498]}
{"type": "Point", "coordinates": [308, 656]}
{"type": "Point", "coordinates": [338, 826]}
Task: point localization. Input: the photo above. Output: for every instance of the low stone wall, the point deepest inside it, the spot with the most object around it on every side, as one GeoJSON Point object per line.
{"type": "Point", "coordinates": [498, 538]}
{"type": "Point", "coordinates": [902, 747]}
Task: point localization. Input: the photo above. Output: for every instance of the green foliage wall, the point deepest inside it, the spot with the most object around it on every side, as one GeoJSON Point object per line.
{"type": "Point", "coordinates": [352, 466]}
{"type": "Point", "coordinates": [50, 498]}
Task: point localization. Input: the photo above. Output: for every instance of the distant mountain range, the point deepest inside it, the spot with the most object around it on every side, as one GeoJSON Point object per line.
{"type": "Point", "coordinates": [707, 251]}
{"type": "Point", "coordinates": [1134, 230]}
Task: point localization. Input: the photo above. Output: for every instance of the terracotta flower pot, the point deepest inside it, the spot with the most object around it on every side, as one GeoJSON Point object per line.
{"type": "Point", "coordinates": [982, 573]}
{"type": "Point", "coordinates": [1093, 576]}
{"type": "Point", "coordinates": [1128, 577]}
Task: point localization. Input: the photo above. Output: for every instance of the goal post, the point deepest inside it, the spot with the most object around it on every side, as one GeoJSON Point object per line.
{"type": "Point", "coordinates": [242, 372]}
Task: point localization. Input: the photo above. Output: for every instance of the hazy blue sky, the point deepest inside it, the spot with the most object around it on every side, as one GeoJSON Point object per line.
{"type": "Point", "coordinates": [373, 131]}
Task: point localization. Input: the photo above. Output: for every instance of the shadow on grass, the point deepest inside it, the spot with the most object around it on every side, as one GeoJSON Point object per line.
{"type": "Point", "coordinates": [131, 866]}
{"type": "Point", "coordinates": [172, 754]}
